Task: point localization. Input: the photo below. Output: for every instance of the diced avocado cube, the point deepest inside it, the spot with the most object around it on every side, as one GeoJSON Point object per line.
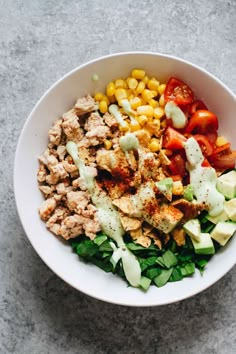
{"type": "Point", "coordinates": [223, 231]}
{"type": "Point", "coordinates": [226, 184]}
{"type": "Point", "coordinates": [193, 229]}
{"type": "Point", "coordinates": [188, 193]}
{"type": "Point", "coordinates": [230, 209]}
{"type": "Point", "coordinates": [205, 245]}
{"type": "Point", "coordinates": [165, 187]}
{"type": "Point", "coordinates": [221, 217]}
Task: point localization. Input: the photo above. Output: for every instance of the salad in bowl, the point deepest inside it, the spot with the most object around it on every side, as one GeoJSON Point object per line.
{"type": "Point", "coordinates": [139, 182]}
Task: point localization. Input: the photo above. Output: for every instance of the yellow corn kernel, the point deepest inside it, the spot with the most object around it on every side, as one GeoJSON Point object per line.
{"type": "Point", "coordinates": [154, 145]}
{"type": "Point", "coordinates": [132, 83]}
{"type": "Point", "coordinates": [163, 123]}
{"type": "Point", "coordinates": [177, 188]}
{"type": "Point", "coordinates": [153, 103]}
{"type": "Point", "coordinates": [142, 119]}
{"type": "Point", "coordinates": [98, 96]}
{"type": "Point", "coordinates": [120, 83]}
{"type": "Point", "coordinates": [139, 89]}
{"type": "Point", "coordinates": [107, 144]}
{"type": "Point", "coordinates": [158, 112]}
{"type": "Point", "coordinates": [135, 102]}
{"type": "Point", "coordinates": [138, 74]}
{"type": "Point", "coordinates": [153, 84]}
{"type": "Point", "coordinates": [120, 94]}
{"type": "Point", "coordinates": [125, 127]}
{"type": "Point", "coordinates": [103, 106]}
{"type": "Point", "coordinates": [221, 140]}
{"type": "Point", "coordinates": [162, 101]}
{"type": "Point", "coordinates": [145, 79]}
{"type": "Point", "coordinates": [161, 89]}
{"type": "Point", "coordinates": [147, 95]}
{"type": "Point", "coordinates": [105, 98]}
{"type": "Point", "coordinates": [146, 110]}
{"type": "Point", "coordinates": [110, 89]}
{"type": "Point", "coordinates": [134, 126]}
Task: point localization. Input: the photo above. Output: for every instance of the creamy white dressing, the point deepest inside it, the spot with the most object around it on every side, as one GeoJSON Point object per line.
{"type": "Point", "coordinates": [129, 142]}
{"type": "Point", "coordinates": [203, 179]}
{"type": "Point", "coordinates": [114, 110]}
{"type": "Point", "coordinates": [179, 120]}
{"type": "Point", "coordinates": [108, 217]}
{"type": "Point", "coordinates": [128, 110]}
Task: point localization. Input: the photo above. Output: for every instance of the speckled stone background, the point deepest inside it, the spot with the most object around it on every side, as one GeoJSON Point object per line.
{"type": "Point", "coordinates": [39, 42]}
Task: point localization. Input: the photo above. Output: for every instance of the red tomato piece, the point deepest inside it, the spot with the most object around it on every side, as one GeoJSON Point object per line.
{"type": "Point", "coordinates": [224, 162]}
{"type": "Point", "coordinates": [178, 92]}
{"type": "Point", "coordinates": [202, 122]}
{"type": "Point", "coordinates": [222, 150]}
{"type": "Point", "coordinates": [173, 140]}
{"type": "Point", "coordinates": [212, 137]}
{"type": "Point", "coordinates": [206, 147]}
{"type": "Point", "coordinates": [196, 106]}
{"type": "Point", "coordinates": [177, 165]}
{"type": "Point", "coordinates": [206, 163]}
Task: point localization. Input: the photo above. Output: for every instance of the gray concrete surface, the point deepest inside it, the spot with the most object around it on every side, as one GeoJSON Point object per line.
{"type": "Point", "coordinates": [39, 42]}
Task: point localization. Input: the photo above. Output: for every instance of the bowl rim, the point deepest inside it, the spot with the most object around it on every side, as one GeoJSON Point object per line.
{"type": "Point", "coordinates": [20, 139]}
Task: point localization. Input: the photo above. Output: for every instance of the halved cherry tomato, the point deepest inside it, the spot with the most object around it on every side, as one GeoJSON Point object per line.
{"type": "Point", "coordinates": [178, 92]}
{"type": "Point", "coordinates": [224, 162]}
{"type": "Point", "coordinates": [222, 150]}
{"type": "Point", "coordinates": [201, 122]}
{"type": "Point", "coordinates": [173, 140]}
{"type": "Point", "coordinates": [177, 165]}
{"type": "Point", "coordinates": [206, 163]}
{"type": "Point", "coordinates": [196, 106]}
{"type": "Point", "coordinates": [206, 147]}
{"type": "Point", "coordinates": [212, 137]}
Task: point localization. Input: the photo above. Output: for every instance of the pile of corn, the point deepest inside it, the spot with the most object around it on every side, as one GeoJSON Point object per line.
{"type": "Point", "coordinates": [145, 96]}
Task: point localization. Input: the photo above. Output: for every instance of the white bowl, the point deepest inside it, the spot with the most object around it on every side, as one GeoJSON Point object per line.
{"type": "Point", "coordinates": [59, 98]}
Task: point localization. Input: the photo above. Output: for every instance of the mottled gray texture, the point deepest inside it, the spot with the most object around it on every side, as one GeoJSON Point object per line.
{"type": "Point", "coordinates": [41, 41]}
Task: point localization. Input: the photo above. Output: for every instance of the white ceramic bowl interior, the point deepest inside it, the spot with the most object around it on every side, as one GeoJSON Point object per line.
{"type": "Point", "coordinates": [59, 98]}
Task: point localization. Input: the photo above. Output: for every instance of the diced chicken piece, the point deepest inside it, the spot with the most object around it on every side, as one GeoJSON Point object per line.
{"type": "Point", "coordinates": [61, 152]}
{"type": "Point", "coordinates": [129, 204]}
{"type": "Point", "coordinates": [130, 223]}
{"type": "Point", "coordinates": [190, 210]}
{"type": "Point", "coordinates": [46, 208]}
{"type": "Point", "coordinates": [55, 132]}
{"type": "Point", "coordinates": [85, 105]}
{"type": "Point", "coordinates": [59, 214]}
{"type": "Point", "coordinates": [179, 236]}
{"type": "Point", "coordinates": [97, 135]}
{"type": "Point", "coordinates": [79, 183]}
{"type": "Point", "coordinates": [42, 173]}
{"type": "Point", "coordinates": [57, 171]}
{"type": "Point", "coordinates": [77, 201]}
{"type": "Point", "coordinates": [71, 126]}
{"type": "Point", "coordinates": [46, 190]}
{"type": "Point", "coordinates": [94, 121]}
{"type": "Point", "coordinates": [75, 225]}
{"type": "Point", "coordinates": [62, 188]}
{"type": "Point", "coordinates": [71, 226]}
{"type": "Point", "coordinates": [110, 120]}
{"type": "Point", "coordinates": [69, 167]}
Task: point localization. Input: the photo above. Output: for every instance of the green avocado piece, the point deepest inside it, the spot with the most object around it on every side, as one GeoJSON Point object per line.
{"type": "Point", "coordinates": [205, 245]}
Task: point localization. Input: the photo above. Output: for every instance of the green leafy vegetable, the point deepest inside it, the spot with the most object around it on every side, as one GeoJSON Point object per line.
{"type": "Point", "coordinates": [163, 278]}
{"type": "Point", "coordinates": [145, 283]}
